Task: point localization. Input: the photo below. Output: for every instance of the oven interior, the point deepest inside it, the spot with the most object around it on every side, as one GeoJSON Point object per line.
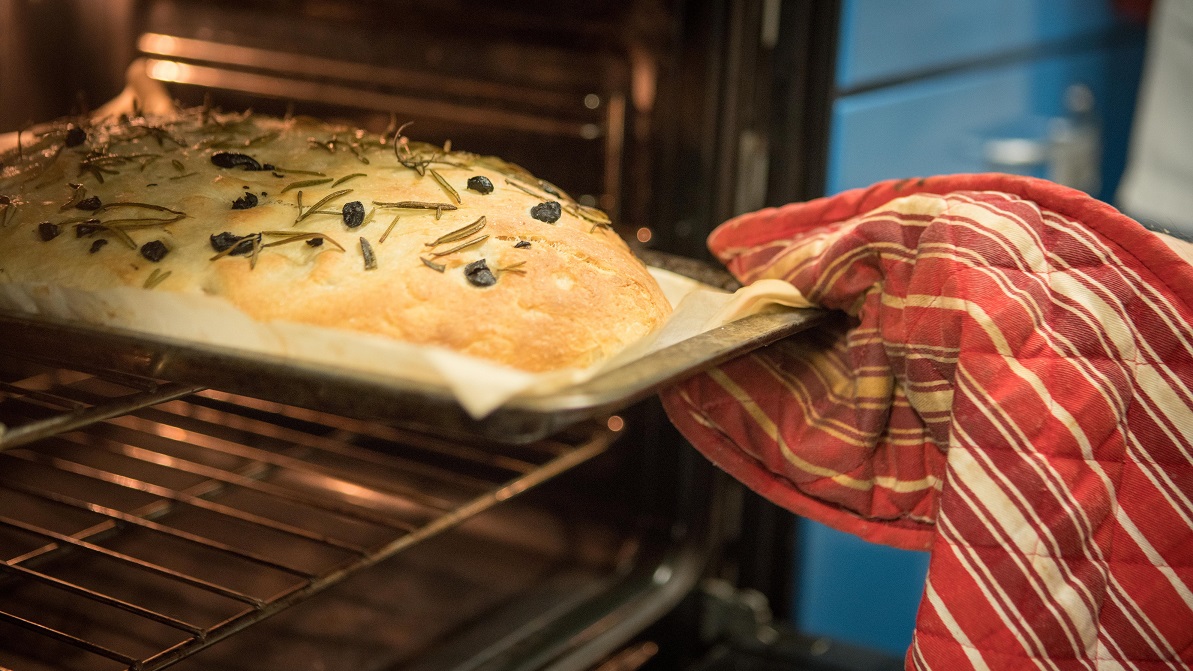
{"type": "Point", "coordinates": [147, 523]}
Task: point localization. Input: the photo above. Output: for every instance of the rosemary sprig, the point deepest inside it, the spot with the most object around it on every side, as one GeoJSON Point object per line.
{"type": "Point", "coordinates": [256, 241]}
{"type": "Point", "coordinates": [459, 233]}
{"type": "Point", "coordinates": [389, 228]}
{"type": "Point", "coordinates": [526, 189]}
{"type": "Point", "coordinates": [178, 165]}
{"type": "Point", "coordinates": [189, 174]}
{"type": "Point", "coordinates": [325, 200]}
{"type": "Point", "coordinates": [345, 178]}
{"type": "Point", "coordinates": [304, 184]}
{"type": "Point", "coordinates": [437, 267]}
{"type": "Point", "coordinates": [463, 245]}
{"type": "Point", "coordinates": [451, 191]}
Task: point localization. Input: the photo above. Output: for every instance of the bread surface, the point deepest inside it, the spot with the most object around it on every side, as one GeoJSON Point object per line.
{"type": "Point", "coordinates": [303, 221]}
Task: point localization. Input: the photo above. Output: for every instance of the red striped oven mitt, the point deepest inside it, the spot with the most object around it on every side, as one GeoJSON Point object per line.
{"type": "Point", "coordinates": [1010, 385]}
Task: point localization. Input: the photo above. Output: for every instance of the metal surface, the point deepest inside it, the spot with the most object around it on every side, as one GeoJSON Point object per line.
{"type": "Point", "coordinates": [150, 536]}
{"type": "Point", "coordinates": [369, 396]}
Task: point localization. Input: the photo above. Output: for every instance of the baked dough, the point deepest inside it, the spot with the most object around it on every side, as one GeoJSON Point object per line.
{"type": "Point", "coordinates": [299, 220]}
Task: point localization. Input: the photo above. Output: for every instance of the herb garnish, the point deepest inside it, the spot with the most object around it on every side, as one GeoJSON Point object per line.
{"type": "Point", "coordinates": [438, 267]}
{"type": "Point", "coordinates": [222, 241]}
{"type": "Point", "coordinates": [79, 192]}
{"type": "Point", "coordinates": [325, 200]}
{"type": "Point", "coordinates": [367, 251]}
{"type": "Point", "coordinates": [459, 233]}
{"type": "Point", "coordinates": [389, 228]}
{"type": "Point", "coordinates": [305, 183]}
{"type": "Point", "coordinates": [516, 268]}
{"type": "Point", "coordinates": [478, 274]}
{"type": "Point", "coordinates": [278, 168]}
{"type": "Point", "coordinates": [451, 191]}
{"type": "Point", "coordinates": [155, 278]}
{"type": "Point", "coordinates": [418, 205]}
{"type": "Point", "coordinates": [313, 239]}
{"type": "Point", "coordinates": [345, 178]}
{"type": "Point", "coordinates": [463, 245]}
{"type": "Point", "coordinates": [480, 184]}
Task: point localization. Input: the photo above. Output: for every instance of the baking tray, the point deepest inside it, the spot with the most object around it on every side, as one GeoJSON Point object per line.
{"type": "Point", "coordinates": [368, 396]}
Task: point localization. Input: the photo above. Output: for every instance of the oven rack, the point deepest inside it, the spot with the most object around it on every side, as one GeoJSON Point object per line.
{"type": "Point", "coordinates": [179, 517]}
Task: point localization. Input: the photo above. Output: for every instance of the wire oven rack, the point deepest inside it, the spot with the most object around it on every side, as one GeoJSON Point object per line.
{"type": "Point", "coordinates": [142, 521]}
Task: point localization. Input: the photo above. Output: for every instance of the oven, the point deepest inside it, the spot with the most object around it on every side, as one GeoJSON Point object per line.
{"type": "Point", "coordinates": [169, 509]}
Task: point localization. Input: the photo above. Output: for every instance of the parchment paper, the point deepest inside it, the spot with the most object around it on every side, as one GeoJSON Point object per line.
{"type": "Point", "coordinates": [480, 386]}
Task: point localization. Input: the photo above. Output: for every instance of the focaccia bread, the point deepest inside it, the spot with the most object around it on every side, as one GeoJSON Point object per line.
{"type": "Point", "coordinates": [302, 221]}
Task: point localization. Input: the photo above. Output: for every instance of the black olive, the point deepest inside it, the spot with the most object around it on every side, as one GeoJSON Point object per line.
{"type": "Point", "coordinates": [245, 202]}
{"type": "Point", "coordinates": [5, 200]}
{"type": "Point", "coordinates": [75, 136]}
{"type": "Point", "coordinates": [227, 159]}
{"type": "Point", "coordinates": [87, 228]}
{"type": "Point", "coordinates": [315, 242]}
{"type": "Point", "coordinates": [155, 250]}
{"type": "Point", "coordinates": [549, 211]}
{"type": "Point", "coordinates": [48, 231]}
{"type": "Point", "coordinates": [480, 184]}
{"type": "Point", "coordinates": [354, 214]}
{"type": "Point", "coordinates": [478, 274]}
{"type": "Point", "coordinates": [268, 166]}
{"type": "Point", "coordinates": [222, 241]}
{"type": "Point", "coordinates": [522, 244]}
{"type": "Point", "coordinates": [90, 204]}
{"type": "Point", "coordinates": [98, 245]}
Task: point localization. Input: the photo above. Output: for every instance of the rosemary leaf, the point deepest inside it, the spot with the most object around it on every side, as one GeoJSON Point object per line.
{"type": "Point", "coordinates": [459, 233]}
{"type": "Point", "coordinates": [305, 183]}
{"type": "Point", "coordinates": [451, 191]}
{"type": "Point", "coordinates": [156, 277]}
{"type": "Point", "coordinates": [437, 267]}
{"type": "Point", "coordinates": [298, 172]}
{"type": "Point", "coordinates": [296, 237]}
{"type": "Point", "coordinates": [462, 245]}
{"type": "Point", "coordinates": [143, 206]}
{"type": "Point", "coordinates": [367, 251]}
{"type": "Point", "coordinates": [325, 200]}
{"type": "Point", "coordinates": [80, 192]}
{"type": "Point", "coordinates": [389, 228]}
{"type": "Point", "coordinates": [345, 178]}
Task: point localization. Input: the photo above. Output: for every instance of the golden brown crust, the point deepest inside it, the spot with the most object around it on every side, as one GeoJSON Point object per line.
{"type": "Point", "coordinates": [574, 295]}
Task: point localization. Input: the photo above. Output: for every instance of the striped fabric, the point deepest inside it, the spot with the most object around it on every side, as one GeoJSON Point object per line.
{"type": "Point", "coordinates": [1010, 385]}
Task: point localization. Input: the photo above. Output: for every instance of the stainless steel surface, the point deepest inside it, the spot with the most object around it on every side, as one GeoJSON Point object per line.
{"type": "Point", "coordinates": [364, 395]}
{"type": "Point", "coordinates": [150, 536]}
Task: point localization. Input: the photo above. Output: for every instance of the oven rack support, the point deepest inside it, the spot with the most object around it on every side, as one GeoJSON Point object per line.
{"type": "Point", "coordinates": [137, 540]}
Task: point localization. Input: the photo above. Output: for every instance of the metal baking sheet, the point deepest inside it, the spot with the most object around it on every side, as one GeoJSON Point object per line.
{"type": "Point", "coordinates": [366, 396]}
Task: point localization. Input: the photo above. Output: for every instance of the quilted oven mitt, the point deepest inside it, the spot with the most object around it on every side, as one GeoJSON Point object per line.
{"type": "Point", "coordinates": [1010, 385]}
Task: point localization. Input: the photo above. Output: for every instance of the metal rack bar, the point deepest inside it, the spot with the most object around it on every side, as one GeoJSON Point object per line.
{"type": "Point", "coordinates": [103, 598]}
{"type": "Point", "coordinates": [94, 648]}
{"type": "Point", "coordinates": [285, 458]}
{"type": "Point", "coordinates": [11, 437]}
{"type": "Point", "coordinates": [132, 561]}
{"type": "Point", "coordinates": [186, 499]}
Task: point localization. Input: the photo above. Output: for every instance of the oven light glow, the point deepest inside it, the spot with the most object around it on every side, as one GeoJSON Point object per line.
{"type": "Point", "coordinates": [167, 71]}
{"type": "Point", "coordinates": [645, 234]}
{"type": "Point", "coordinates": [615, 423]}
